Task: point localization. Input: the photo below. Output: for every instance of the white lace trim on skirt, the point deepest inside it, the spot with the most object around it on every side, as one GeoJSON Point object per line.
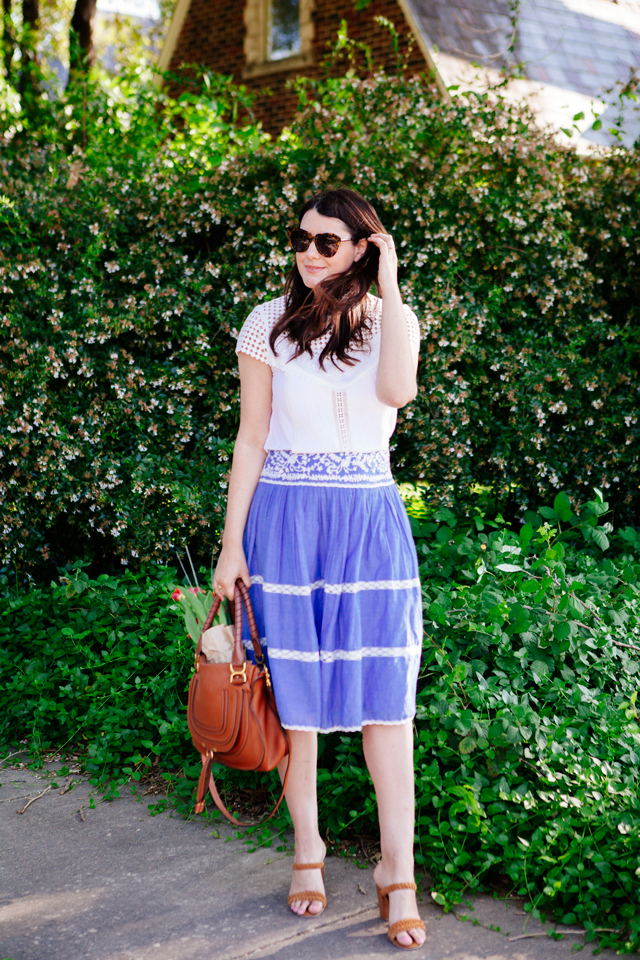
{"type": "Point", "coordinates": [291, 589]}
{"type": "Point", "coordinates": [331, 656]}
{"type": "Point", "coordinates": [365, 723]}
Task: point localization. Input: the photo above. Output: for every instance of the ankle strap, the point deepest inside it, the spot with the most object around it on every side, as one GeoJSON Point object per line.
{"type": "Point", "coordinates": [307, 866]}
{"type": "Point", "coordinates": [397, 886]}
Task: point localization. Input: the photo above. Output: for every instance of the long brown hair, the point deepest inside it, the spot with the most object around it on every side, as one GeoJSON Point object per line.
{"type": "Point", "coordinates": [338, 304]}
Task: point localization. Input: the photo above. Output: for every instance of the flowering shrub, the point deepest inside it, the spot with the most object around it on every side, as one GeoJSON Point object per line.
{"type": "Point", "coordinates": [133, 250]}
{"type": "Point", "coordinates": [115, 391]}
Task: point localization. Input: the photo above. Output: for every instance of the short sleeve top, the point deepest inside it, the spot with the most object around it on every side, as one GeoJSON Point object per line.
{"type": "Point", "coordinates": [317, 410]}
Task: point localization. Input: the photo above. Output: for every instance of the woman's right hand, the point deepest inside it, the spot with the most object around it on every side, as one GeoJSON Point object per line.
{"type": "Point", "coordinates": [232, 564]}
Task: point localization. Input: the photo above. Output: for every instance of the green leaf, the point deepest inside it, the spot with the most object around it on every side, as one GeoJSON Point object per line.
{"type": "Point", "coordinates": [562, 630]}
{"type": "Point", "coordinates": [600, 537]}
{"type": "Point", "coordinates": [596, 507]}
{"type": "Point", "coordinates": [597, 124]}
{"type": "Point", "coordinates": [415, 526]}
{"type": "Point", "coordinates": [556, 552]}
{"type": "Point", "coordinates": [540, 668]}
{"type": "Point", "coordinates": [444, 534]}
{"type": "Point", "coordinates": [438, 613]}
{"type": "Point", "coordinates": [619, 618]}
{"type": "Point", "coordinates": [519, 619]}
{"type": "Point", "coordinates": [549, 514]}
{"type": "Point", "coordinates": [562, 506]}
{"type": "Point", "coordinates": [630, 535]}
{"type": "Point", "coordinates": [193, 629]}
{"type": "Point", "coordinates": [628, 910]}
{"type": "Point", "coordinates": [190, 600]}
{"type": "Point", "coordinates": [526, 533]}
{"type": "Point", "coordinates": [508, 567]}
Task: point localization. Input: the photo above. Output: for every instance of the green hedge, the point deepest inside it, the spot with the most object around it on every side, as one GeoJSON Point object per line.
{"type": "Point", "coordinates": [117, 381]}
{"type": "Point", "coordinates": [527, 738]}
{"type": "Point", "coordinates": [120, 298]}
{"type": "Point", "coordinates": [528, 741]}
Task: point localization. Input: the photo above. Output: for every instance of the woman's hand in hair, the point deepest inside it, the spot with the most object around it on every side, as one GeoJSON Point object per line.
{"type": "Point", "coordinates": [388, 264]}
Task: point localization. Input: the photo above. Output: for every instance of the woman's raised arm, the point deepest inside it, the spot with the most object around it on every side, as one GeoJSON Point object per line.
{"type": "Point", "coordinates": [396, 383]}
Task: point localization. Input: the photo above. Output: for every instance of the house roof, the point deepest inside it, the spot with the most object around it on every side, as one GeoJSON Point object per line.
{"type": "Point", "coordinates": [569, 57]}
{"type": "Point", "coordinates": [572, 55]}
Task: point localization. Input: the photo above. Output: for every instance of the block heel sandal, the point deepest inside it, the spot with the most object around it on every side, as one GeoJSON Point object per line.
{"type": "Point", "coordinates": [400, 925]}
{"type": "Point", "coordinates": [310, 895]}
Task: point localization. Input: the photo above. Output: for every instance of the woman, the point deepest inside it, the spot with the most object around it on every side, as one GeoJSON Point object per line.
{"type": "Point", "coordinates": [316, 527]}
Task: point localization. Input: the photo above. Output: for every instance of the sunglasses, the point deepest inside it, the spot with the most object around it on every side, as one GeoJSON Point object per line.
{"type": "Point", "coordinates": [327, 244]}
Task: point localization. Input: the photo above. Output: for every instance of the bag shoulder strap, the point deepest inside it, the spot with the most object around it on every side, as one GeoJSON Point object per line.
{"type": "Point", "coordinates": [206, 780]}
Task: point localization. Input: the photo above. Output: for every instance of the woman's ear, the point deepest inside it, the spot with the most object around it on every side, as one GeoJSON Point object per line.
{"type": "Point", "coordinates": [361, 249]}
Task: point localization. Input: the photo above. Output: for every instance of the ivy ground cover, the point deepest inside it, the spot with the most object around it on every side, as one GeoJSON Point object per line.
{"type": "Point", "coordinates": [527, 737]}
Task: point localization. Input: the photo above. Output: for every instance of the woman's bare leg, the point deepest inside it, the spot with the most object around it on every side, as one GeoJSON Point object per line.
{"type": "Point", "coordinates": [302, 801]}
{"type": "Point", "coordinates": [388, 751]}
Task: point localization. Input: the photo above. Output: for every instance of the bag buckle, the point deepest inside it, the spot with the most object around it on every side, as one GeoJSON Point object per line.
{"type": "Point", "coordinates": [242, 673]}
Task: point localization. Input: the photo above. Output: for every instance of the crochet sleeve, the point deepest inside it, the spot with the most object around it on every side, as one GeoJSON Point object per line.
{"type": "Point", "coordinates": [252, 338]}
{"type": "Point", "coordinates": [413, 325]}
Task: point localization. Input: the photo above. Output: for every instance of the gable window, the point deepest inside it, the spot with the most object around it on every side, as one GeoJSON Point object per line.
{"type": "Point", "coordinates": [278, 35]}
{"type": "Point", "coordinates": [284, 29]}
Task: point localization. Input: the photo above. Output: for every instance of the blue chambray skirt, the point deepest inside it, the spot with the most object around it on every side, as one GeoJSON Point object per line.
{"type": "Point", "coordinates": [335, 590]}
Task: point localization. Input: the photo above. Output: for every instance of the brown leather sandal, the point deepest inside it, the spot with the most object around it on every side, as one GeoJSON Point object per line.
{"type": "Point", "coordinates": [400, 925]}
{"type": "Point", "coordinates": [310, 895]}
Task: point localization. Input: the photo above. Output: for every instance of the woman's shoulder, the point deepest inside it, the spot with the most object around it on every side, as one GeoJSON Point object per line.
{"type": "Point", "coordinates": [268, 312]}
{"type": "Point", "coordinates": [254, 335]}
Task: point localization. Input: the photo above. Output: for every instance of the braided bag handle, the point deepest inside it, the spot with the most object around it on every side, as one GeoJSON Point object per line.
{"type": "Point", "coordinates": [240, 596]}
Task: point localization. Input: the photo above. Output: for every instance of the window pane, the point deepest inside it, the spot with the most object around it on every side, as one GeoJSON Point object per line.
{"type": "Point", "coordinates": [284, 35]}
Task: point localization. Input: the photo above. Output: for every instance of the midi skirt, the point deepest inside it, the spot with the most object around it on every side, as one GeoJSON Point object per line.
{"type": "Point", "coordinates": [335, 590]}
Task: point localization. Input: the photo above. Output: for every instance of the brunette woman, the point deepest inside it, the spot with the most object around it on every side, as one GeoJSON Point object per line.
{"type": "Point", "coordinates": [316, 528]}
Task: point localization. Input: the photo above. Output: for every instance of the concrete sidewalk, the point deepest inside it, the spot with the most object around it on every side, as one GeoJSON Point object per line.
{"type": "Point", "coordinates": [114, 883]}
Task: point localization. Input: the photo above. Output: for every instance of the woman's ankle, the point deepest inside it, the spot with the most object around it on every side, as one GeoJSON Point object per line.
{"type": "Point", "coordinates": [309, 849]}
{"type": "Point", "coordinates": [394, 870]}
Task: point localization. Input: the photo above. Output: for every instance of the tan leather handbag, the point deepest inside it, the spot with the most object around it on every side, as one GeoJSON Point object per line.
{"type": "Point", "coordinates": [232, 712]}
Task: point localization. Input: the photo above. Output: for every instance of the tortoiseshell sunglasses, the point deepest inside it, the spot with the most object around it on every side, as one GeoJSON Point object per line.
{"type": "Point", "coordinates": [327, 244]}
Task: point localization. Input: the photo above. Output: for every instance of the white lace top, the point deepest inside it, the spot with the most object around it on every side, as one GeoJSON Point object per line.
{"type": "Point", "coordinates": [322, 411]}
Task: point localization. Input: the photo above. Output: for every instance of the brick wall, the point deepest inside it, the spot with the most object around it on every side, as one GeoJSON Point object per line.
{"type": "Point", "coordinates": [213, 35]}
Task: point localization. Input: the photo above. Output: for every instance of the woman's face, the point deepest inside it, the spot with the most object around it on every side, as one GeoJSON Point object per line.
{"type": "Point", "coordinates": [314, 268]}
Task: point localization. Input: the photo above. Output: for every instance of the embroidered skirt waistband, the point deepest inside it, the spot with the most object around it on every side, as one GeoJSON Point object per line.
{"type": "Point", "coordinates": [340, 469]}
